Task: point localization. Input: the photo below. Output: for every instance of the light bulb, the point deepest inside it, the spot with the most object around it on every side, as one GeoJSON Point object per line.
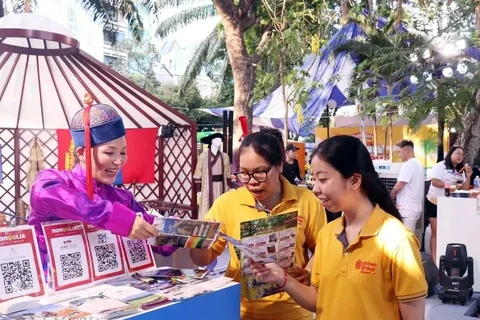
{"type": "Point", "coordinates": [462, 68]}
{"type": "Point", "coordinates": [447, 72]}
{"type": "Point", "coordinates": [461, 44]}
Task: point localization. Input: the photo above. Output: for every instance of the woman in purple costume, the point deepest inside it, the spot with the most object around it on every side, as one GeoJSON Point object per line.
{"type": "Point", "coordinates": [63, 195]}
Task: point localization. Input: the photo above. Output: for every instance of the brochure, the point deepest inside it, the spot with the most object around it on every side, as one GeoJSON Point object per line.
{"type": "Point", "coordinates": [20, 266]}
{"type": "Point", "coordinates": [184, 233]}
{"type": "Point", "coordinates": [69, 255]}
{"type": "Point", "coordinates": [50, 312]}
{"type": "Point", "coordinates": [265, 240]}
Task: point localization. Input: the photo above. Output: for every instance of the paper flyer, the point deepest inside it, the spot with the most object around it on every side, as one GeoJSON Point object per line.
{"type": "Point", "coordinates": [21, 270]}
{"type": "Point", "coordinates": [138, 255]}
{"type": "Point", "coordinates": [50, 312]}
{"type": "Point", "coordinates": [69, 255]}
{"type": "Point", "coordinates": [106, 253]}
{"type": "Point", "coordinates": [184, 233]}
{"type": "Point", "coordinates": [272, 239]}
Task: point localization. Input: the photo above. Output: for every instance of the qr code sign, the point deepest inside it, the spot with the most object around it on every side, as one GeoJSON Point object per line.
{"type": "Point", "coordinates": [106, 257]}
{"type": "Point", "coordinates": [136, 249]}
{"type": "Point", "coordinates": [17, 276]}
{"type": "Point", "coordinates": [71, 264]}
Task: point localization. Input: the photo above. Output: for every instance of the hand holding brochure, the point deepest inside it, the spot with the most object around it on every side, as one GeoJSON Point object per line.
{"type": "Point", "coordinates": [265, 240]}
{"type": "Point", "coordinates": [184, 233]}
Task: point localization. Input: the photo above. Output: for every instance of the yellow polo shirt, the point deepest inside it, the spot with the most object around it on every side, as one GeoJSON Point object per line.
{"type": "Point", "coordinates": [236, 206]}
{"type": "Point", "coordinates": [367, 279]}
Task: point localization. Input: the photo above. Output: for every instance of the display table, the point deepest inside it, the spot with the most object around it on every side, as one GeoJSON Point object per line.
{"type": "Point", "coordinates": [458, 222]}
{"type": "Point", "coordinates": [221, 304]}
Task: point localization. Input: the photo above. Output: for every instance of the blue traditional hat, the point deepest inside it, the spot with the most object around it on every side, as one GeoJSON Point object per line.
{"type": "Point", "coordinates": [105, 125]}
{"type": "Point", "coordinates": [94, 125]}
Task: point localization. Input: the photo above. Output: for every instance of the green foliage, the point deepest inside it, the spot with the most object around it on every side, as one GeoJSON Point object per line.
{"type": "Point", "coordinates": [185, 17]}
{"type": "Point", "coordinates": [104, 11]}
{"type": "Point", "coordinates": [299, 28]}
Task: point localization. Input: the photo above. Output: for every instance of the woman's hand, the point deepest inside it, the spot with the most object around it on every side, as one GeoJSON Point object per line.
{"type": "Point", "coordinates": [141, 229]}
{"type": "Point", "coordinates": [301, 275]}
{"type": "Point", "coordinates": [267, 273]}
{"type": "Point", "coordinates": [468, 170]}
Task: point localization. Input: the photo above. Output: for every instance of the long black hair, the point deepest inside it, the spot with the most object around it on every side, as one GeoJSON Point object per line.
{"type": "Point", "coordinates": [448, 159]}
{"type": "Point", "coordinates": [267, 143]}
{"type": "Point", "coordinates": [348, 156]}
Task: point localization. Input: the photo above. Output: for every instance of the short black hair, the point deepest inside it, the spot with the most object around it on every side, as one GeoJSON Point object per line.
{"type": "Point", "coordinates": [267, 143]}
{"type": "Point", "coordinates": [405, 143]}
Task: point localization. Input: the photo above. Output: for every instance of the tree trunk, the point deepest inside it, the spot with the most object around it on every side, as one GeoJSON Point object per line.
{"type": "Point", "coordinates": [370, 8]}
{"type": "Point", "coordinates": [344, 9]}
{"type": "Point", "coordinates": [469, 137]}
{"type": "Point", "coordinates": [385, 138]}
{"type": "Point", "coordinates": [2, 9]}
{"type": "Point", "coordinates": [243, 76]}
{"type": "Point", "coordinates": [390, 124]}
{"type": "Point", "coordinates": [440, 133]}
{"type": "Point", "coordinates": [477, 11]}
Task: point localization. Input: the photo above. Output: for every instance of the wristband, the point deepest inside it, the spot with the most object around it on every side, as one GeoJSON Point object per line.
{"type": "Point", "coordinates": [284, 279]}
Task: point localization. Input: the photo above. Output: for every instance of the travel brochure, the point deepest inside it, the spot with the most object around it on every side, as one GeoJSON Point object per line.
{"type": "Point", "coordinates": [119, 298]}
{"type": "Point", "coordinates": [271, 239]}
{"type": "Point", "coordinates": [184, 233]}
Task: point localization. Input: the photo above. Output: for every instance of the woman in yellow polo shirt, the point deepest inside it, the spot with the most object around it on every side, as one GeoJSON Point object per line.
{"type": "Point", "coordinates": [265, 193]}
{"type": "Point", "coordinates": [367, 264]}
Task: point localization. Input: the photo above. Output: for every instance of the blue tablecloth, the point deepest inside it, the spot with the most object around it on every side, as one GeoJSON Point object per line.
{"type": "Point", "coordinates": [222, 304]}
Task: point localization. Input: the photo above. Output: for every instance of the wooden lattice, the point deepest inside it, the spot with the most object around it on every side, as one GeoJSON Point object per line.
{"type": "Point", "coordinates": [172, 178]}
{"type": "Point", "coordinates": [7, 187]}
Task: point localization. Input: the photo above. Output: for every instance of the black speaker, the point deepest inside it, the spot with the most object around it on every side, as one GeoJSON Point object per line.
{"type": "Point", "coordinates": [431, 273]}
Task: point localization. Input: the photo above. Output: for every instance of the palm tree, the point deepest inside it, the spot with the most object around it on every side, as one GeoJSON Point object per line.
{"type": "Point", "coordinates": [210, 51]}
{"type": "Point", "coordinates": [237, 16]}
{"type": "Point", "coordinates": [103, 12]}
{"type": "Point", "coordinates": [383, 70]}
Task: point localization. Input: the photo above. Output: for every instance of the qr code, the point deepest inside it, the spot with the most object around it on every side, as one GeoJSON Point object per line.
{"type": "Point", "coordinates": [137, 251]}
{"type": "Point", "coordinates": [71, 264]}
{"type": "Point", "coordinates": [17, 276]}
{"type": "Point", "coordinates": [106, 257]}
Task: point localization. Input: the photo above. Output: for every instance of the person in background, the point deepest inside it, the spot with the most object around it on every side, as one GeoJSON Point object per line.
{"type": "Point", "coordinates": [265, 193]}
{"type": "Point", "coordinates": [458, 173]}
{"type": "Point", "coordinates": [62, 195]}
{"type": "Point", "coordinates": [408, 191]}
{"type": "Point", "coordinates": [291, 169]}
{"type": "Point", "coordinates": [367, 264]}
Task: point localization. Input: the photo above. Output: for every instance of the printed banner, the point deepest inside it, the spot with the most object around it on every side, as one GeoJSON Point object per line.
{"type": "Point", "coordinates": [21, 272]}
{"type": "Point", "coordinates": [68, 252]}
{"type": "Point", "coordinates": [138, 254]}
{"type": "Point", "coordinates": [106, 253]}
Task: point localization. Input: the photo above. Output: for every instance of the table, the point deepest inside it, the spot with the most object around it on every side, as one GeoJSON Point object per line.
{"type": "Point", "coordinates": [458, 222]}
{"type": "Point", "coordinates": [221, 304]}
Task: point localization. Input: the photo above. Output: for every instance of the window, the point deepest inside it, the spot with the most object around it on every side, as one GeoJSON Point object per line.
{"type": "Point", "coordinates": [119, 37]}
{"type": "Point", "coordinates": [110, 60]}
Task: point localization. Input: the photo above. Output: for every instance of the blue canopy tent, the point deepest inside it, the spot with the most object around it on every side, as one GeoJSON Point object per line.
{"type": "Point", "coordinates": [332, 74]}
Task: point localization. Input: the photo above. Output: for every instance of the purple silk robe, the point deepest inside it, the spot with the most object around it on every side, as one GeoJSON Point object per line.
{"type": "Point", "coordinates": [61, 195]}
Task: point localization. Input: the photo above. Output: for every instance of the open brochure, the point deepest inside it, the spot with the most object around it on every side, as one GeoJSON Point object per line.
{"type": "Point", "coordinates": [184, 233]}
{"type": "Point", "coordinates": [265, 240]}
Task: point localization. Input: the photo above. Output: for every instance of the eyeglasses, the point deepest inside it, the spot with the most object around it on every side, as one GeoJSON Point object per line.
{"type": "Point", "coordinates": [259, 176]}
